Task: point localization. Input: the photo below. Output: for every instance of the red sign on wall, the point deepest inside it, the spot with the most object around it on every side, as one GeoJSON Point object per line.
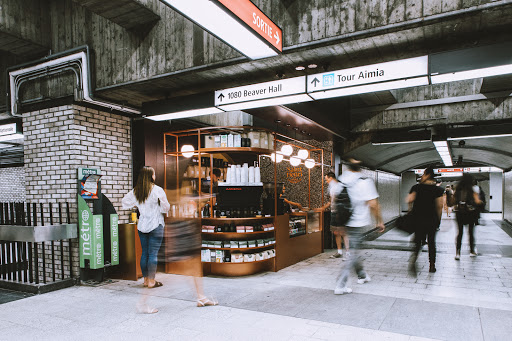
{"type": "Point", "coordinates": [253, 17]}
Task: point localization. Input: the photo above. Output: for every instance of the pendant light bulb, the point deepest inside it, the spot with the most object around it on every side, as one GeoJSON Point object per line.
{"type": "Point", "coordinates": [279, 157]}
{"type": "Point", "coordinates": [303, 154]}
{"type": "Point", "coordinates": [294, 161]}
{"type": "Point", "coordinates": [187, 150]}
{"type": "Point", "coordinates": [309, 163]}
{"type": "Point", "coordinates": [287, 150]}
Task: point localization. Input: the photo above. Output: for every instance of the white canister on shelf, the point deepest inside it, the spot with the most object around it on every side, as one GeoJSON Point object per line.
{"type": "Point", "coordinates": [233, 174]}
{"type": "Point", "coordinates": [228, 175]}
{"type": "Point", "coordinates": [244, 176]}
{"type": "Point", "coordinates": [257, 174]}
{"type": "Point", "coordinates": [238, 174]}
{"type": "Point", "coordinates": [251, 175]}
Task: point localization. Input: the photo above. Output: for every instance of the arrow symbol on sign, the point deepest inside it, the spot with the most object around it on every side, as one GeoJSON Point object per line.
{"type": "Point", "coordinates": [276, 35]}
{"type": "Point", "coordinates": [315, 81]}
{"type": "Point", "coordinates": [221, 96]}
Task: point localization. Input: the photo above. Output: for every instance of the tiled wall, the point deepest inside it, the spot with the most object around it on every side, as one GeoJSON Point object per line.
{"type": "Point", "coordinates": [12, 184]}
{"type": "Point", "coordinates": [507, 196]}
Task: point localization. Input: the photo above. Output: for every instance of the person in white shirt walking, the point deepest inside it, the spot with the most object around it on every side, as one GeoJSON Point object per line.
{"type": "Point", "coordinates": [152, 203]}
{"type": "Point", "coordinates": [364, 200]}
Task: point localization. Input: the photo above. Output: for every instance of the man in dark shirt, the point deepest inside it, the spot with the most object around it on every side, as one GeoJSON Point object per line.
{"type": "Point", "coordinates": [427, 206]}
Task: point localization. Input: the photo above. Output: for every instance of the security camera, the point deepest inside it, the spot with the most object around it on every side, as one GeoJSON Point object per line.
{"type": "Point", "coordinates": [462, 143]}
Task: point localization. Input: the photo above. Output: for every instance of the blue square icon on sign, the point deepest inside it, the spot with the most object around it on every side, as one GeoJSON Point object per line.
{"type": "Point", "coordinates": [328, 80]}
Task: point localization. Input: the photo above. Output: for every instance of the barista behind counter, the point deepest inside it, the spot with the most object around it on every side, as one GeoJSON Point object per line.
{"type": "Point", "coordinates": [287, 203]}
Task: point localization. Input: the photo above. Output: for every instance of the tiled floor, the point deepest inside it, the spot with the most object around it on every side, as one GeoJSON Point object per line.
{"type": "Point", "coordinates": [468, 299]}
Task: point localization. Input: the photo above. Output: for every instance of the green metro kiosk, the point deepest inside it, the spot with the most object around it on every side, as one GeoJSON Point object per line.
{"type": "Point", "coordinates": [98, 231]}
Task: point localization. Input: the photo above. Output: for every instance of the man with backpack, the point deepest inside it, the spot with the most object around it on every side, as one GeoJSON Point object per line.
{"type": "Point", "coordinates": [364, 203]}
{"type": "Point", "coordinates": [337, 228]}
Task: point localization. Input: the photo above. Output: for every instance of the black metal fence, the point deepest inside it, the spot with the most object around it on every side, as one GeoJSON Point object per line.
{"type": "Point", "coordinates": [35, 262]}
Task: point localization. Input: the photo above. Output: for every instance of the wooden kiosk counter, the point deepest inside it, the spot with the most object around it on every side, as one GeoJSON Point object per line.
{"type": "Point", "coordinates": [226, 179]}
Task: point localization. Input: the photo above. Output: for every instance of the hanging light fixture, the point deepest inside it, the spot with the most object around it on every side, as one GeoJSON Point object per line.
{"type": "Point", "coordinates": [303, 154]}
{"type": "Point", "coordinates": [187, 150]}
{"type": "Point", "coordinates": [294, 161]}
{"type": "Point", "coordinates": [309, 163]}
{"type": "Point", "coordinates": [287, 150]}
{"type": "Point", "coordinates": [278, 159]}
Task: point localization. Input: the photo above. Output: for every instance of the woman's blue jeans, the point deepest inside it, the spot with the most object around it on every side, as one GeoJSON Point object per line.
{"type": "Point", "coordinates": [150, 243]}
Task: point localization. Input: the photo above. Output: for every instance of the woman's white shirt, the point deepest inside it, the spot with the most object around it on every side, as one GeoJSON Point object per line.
{"type": "Point", "coordinates": [151, 213]}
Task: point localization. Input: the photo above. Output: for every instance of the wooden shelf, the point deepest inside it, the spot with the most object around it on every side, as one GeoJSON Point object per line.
{"type": "Point", "coordinates": [237, 150]}
{"type": "Point", "coordinates": [236, 233]}
{"type": "Point", "coordinates": [237, 248]}
{"type": "Point", "coordinates": [249, 218]}
{"type": "Point", "coordinates": [229, 263]}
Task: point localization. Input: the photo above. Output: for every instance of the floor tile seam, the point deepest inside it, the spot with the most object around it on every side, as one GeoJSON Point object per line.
{"type": "Point", "coordinates": [481, 325]}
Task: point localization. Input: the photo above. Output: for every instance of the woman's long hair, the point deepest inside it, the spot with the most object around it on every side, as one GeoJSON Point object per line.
{"type": "Point", "coordinates": [144, 184]}
{"type": "Point", "coordinates": [464, 189]}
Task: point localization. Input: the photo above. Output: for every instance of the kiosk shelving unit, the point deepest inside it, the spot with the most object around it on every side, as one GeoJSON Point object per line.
{"type": "Point", "coordinates": [196, 137]}
{"type": "Point", "coordinates": [287, 250]}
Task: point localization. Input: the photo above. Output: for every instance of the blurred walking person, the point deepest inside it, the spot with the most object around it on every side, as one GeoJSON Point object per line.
{"type": "Point", "coordinates": [467, 202]}
{"type": "Point", "coordinates": [339, 231]}
{"type": "Point", "coordinates": [427, 207]}
{"type": "Point", "coordinates": [365, 204]}
{"type": "Point", "coordinates": [152, 203]}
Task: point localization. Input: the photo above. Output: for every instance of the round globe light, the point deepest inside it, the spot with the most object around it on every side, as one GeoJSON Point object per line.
{"type": "Point", "coordinates": [279, 157]}
{"type": "Point", "coordinates": [287, 150]}
{"type": "Point", "coordinates": [187, 150]}
{"type": "Point", "coordinates": [309, 163]}
{"type": "Point", "coordinates": [303, 154]}
{"type": "Point", "coordinates": [294, 161]}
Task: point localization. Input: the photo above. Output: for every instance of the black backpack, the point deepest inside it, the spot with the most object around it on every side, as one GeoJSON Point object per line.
{"type": "Point", "coordinates": [344, 206]}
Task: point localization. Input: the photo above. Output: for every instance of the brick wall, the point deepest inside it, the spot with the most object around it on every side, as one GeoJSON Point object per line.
{"type": "Point", "coordinates": [12, 184]}
{"type": "Point", "coordinates": [60, 140]}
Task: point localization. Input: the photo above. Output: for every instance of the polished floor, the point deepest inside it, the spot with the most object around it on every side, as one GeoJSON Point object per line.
{"type": "Point", "coordinates": [468, 299]}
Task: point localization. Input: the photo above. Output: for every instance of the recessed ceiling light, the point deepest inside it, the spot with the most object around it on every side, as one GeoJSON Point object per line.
{"type": "Point", "coordinates": [312, 66]}
{"type": "Point", "coordinates": [300, 68]}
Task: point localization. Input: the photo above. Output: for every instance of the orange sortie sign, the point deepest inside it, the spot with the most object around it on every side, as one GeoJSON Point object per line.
{"type": "Point", "coordinates": [246, 11]}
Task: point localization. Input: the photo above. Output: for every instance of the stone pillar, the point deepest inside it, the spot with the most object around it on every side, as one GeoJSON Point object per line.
{"type": "Point", "coordinates": [59, 140]}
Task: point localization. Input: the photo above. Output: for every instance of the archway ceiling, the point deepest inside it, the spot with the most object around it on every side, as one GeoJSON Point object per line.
{"type": "Point", "coordinates": [397, 158]}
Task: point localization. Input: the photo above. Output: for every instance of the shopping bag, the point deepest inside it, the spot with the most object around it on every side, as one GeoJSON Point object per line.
{"type": "Point", "coordinates": [406, 223]}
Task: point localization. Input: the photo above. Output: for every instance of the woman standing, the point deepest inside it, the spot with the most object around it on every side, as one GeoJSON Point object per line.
{"type": "Point", "coordinates": [427, 206]}
{"type": "Point", "coordinates": [152, 203]}
{"type": "Point", "coordinates": [466, 204]}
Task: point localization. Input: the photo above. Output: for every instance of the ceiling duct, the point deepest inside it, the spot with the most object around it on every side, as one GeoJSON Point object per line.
{"type": "Point", "coordinates": [76, 60]}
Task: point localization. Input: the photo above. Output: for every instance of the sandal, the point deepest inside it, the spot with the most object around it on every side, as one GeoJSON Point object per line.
{"type": "Point", "coordinates": [157, 284]}
{"type": "Point", "coordinates": [145, 309]}
{"type": "Point", "coordinates": [205, 301]}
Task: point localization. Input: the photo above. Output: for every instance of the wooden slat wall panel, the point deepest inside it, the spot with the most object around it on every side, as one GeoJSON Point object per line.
{"type": "Point", "coordinates": [129, 14]}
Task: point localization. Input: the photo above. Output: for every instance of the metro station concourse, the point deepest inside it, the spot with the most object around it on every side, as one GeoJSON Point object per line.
{"type": "Point", "coordinates": [232, 122]}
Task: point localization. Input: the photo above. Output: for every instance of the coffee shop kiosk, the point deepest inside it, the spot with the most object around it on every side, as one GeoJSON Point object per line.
{"type": "Point", "coordinates": [246, 224]}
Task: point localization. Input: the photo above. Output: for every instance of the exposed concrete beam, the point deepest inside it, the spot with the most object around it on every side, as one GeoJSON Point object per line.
{"type": "Point", "coordinates": [20, 47]}
{"type": "Point", "coordinates": [130, 14]}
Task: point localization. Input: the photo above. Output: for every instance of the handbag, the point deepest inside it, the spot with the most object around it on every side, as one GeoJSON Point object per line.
{"type": "Point", "coordinates": [406, 223]}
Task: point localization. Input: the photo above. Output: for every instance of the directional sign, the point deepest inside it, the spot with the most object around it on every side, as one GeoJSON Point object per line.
{"type": "Point", "coordinates": [284, 87]}
{"type": "Point", "coordinates": [254, 18]}
{"type": "Point", "coordinates": [399, 69]}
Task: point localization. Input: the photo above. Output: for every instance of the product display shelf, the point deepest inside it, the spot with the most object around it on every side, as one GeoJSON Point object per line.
{"type": "Point", "coordinates": [239, 248]}
{"type": "Point", "coordinates": [231, 234]}
{"type": "Point", "coordinates": [236, 150]}
{"type": "Point", "coordinates": [241, 263]}
{"type": "Point", "coordinates": [240, 219]}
